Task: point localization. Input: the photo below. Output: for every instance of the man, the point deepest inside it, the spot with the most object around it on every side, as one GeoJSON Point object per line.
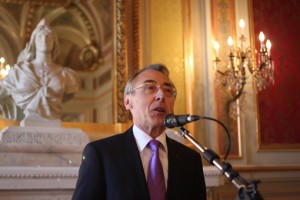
{"type": "Point", "coordinates": [117, 167]}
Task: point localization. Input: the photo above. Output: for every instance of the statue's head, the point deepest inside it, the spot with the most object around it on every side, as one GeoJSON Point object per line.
{"type": "Point", "coordinates": [38, 41]}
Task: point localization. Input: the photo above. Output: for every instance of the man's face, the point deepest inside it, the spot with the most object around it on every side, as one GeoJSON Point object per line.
{"type": "Point", "coordinates": [148, 109]}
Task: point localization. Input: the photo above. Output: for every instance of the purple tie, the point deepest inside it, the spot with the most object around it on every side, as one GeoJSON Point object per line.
{"type": "Point", "coordinates": [155, 179]}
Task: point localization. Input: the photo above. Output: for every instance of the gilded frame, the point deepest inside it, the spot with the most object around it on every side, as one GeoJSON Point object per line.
{"type": "Point", "coordinates": [127, 43]}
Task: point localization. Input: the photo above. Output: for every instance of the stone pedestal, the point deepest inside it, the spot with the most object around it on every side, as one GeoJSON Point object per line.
{"type": "Point", "coordinates": [41, 146]}
{"type": "Point", "coordinates": [39, 162]}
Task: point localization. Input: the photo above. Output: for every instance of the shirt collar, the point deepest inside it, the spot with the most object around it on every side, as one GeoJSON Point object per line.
{"type": "Point", "coordinates": [142, 139]}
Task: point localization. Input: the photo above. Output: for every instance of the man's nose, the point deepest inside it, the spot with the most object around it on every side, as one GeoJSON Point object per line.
{"type": "Point", "coordinates": [160, 95]}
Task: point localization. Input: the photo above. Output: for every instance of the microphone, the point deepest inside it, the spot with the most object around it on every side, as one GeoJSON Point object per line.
{"type": "Point", "coordinates": [172, 121]}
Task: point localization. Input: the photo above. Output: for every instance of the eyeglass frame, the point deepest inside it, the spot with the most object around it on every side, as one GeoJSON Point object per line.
{"type": "Point", "coordinates": [174, 93]}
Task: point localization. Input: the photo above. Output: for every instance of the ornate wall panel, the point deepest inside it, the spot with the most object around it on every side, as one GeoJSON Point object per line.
{"type": "Point", "coordinates": [223, 25]}
{"type": "Point", "coordinates": [279, 105]}
{"type": "Point", "coordinates": [167, 43]}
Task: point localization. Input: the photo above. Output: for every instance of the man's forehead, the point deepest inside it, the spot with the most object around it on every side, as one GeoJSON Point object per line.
{"type": "Point", "coordinates": [160, 79]}
{"type": "Point", "coordinates": [153, 75]}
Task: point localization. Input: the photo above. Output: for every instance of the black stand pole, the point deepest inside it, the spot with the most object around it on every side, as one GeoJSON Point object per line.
{"type": "Point", "coordinates": [246, 190]}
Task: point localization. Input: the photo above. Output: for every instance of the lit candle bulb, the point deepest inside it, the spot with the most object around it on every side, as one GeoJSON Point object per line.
{"type": "Point", "coordinates": [242, 26]}
{"type": "Point", "coordinates": [269, 45]}
{"type": "Point", "coordinates": [261, 39]}
{"type": "Point", "coordinates": [230, 43]}
{"type": "Point", "coordinates": [7, 67]}
{"type": "Point", "coordinates": [2, 61]}
{"type": "Point", "coordinates": [217, 47]}
{"type": "Point", "coordinates": [261, 36]}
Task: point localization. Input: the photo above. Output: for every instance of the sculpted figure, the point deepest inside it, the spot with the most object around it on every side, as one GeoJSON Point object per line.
{"type": "Point", "coordinates": [38, 85]}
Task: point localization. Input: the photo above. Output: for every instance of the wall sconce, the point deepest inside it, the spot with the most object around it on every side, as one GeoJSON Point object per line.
{"type": "Point", "coordinates": [3, 69]}
{"type": "Point", "coordinates": [233, 75]}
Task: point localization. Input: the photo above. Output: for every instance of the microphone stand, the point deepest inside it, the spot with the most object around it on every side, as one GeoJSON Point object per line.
{"type": "Point", "coordinates": [247, 191]}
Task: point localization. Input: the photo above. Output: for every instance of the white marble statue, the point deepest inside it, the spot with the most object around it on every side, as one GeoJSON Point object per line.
{"type": "Point", "coordinates": [36, 84]}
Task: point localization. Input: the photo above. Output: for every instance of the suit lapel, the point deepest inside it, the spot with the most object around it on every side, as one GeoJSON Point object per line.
{"type": "Point", "coordinates": [175, 166]}
{"type": "Point", "coordinates": [135, 167]}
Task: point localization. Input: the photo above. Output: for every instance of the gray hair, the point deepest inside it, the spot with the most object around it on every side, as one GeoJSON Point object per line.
{"type": "Point", "coordinates": [156, 67]}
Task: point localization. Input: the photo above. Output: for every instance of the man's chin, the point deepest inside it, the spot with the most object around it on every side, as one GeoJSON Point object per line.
{"type": "Point", "coordinates": [159, 122]}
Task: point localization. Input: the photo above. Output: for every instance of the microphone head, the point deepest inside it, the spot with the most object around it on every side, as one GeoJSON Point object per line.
{"type": "Point", "coordinates": [170, 121]}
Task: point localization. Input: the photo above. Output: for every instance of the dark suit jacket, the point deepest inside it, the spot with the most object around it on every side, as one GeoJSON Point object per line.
{"type": "Point", "coordinates": [112, 169]}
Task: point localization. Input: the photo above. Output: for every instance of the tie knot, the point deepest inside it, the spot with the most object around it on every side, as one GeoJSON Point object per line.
{"type": "Point", "coordinates": [154, 145]}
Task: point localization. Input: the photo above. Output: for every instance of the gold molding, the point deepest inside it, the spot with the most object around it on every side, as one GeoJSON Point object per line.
{"type": "Point", "coordinates": [127, 53]}
{"type": "Point", "coordinates": [39, 2]}
{"type": "Point", "coordinates": [97, 131]}
{"type": "Point", "coordinates": [270, 168]}
{"type": "Point", "coordinates": [136, 35]}
{"type": "Point", "coordinates": [120, 73]}
{"type": "Point", "coordinates": [188, 62]}
{"type": "Point", "coordinates": [276, 146]}
{"type": "Point", "coordinates": [32, 7]}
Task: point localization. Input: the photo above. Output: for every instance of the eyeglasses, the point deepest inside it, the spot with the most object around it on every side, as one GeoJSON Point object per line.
{"type": "Point", "coordinates": [152, 88]}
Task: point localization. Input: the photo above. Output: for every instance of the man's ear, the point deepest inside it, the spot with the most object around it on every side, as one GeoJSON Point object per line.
{"type": "Point", "coordinates": [127, 103]}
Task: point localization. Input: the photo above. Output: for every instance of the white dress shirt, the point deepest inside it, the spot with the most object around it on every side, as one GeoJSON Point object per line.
{"type": "Point", "coordinates": [142, 139]}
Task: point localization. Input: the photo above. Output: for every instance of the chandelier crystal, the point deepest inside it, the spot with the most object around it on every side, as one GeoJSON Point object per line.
{"type": "Point", "coordinates": [233, 75]}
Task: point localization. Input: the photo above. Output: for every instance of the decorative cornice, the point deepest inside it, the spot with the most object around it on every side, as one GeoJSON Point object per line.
{"type": "Point", "coordinates": [32, 7]}
{"type": "Point", "coordinates": [38, 178]}
{"type": "Point", "coordinates": [59, 172]}
{"type": "Point", "coordinates": [39, 2]}
{"type": "Point", "coordinates": [64, 177]}
{"type": "Point", "coordinates": [38, 172]}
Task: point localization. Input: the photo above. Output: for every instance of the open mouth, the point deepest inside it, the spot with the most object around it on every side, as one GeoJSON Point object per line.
{"type": "Point", "coordinates": [161, 110]}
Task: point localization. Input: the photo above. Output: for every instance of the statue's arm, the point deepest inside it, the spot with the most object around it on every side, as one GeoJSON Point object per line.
{"type": "Point", "coordinates": [72, 83]}
{"type": "Point", "coordinates": [8, 107]}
